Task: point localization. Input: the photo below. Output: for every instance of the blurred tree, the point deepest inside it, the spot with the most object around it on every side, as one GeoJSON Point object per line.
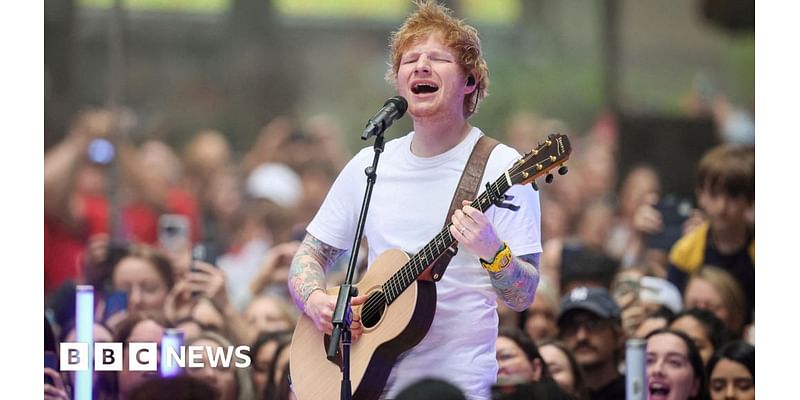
{"type": "Point", "coordinates": [259, 68]}
{"type": "Point", "coordinates": [58, 49]}
{"type": "Point", "coordinates": [733, 15]}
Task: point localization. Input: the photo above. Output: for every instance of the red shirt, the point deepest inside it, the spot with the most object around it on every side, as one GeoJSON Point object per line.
{"type": "Point", "coordinates": [63, 247]}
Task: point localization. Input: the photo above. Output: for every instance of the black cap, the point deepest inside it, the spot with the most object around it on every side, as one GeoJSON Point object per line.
{"type": "Point", "coordinates": [595, 300]}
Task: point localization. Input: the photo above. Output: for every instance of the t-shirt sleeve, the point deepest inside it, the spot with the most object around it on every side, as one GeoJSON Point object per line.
{"type": "Point", "coordinates": [521, 229]}
{"type": "Point", "coordinates": [335, 221]}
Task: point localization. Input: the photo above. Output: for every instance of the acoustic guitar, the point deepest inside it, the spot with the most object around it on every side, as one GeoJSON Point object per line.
{"type": "Point", "coordinates": [399, 308]}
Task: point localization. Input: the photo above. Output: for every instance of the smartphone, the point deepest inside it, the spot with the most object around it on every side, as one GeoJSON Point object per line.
{"type": "Point", "coordinates": [50, 361]}
{"type": "Point", "coordinates": [674, 211]}
{"type": "Point", "coordinates": [624, 288]}
{"type": "Point", "coordinates": [173, 231]}
{"type": "Point", "coordinates": [116, 301]}
{"type": "Point", "coordinates": [100, 151]}
{"type": "Point", "coordinates": [198, 254]}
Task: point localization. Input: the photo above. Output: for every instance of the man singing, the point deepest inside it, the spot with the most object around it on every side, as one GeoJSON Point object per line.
{"type": "Point", "coordinates": [437, 65]}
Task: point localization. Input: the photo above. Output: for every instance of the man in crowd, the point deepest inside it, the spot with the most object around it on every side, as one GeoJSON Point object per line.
{"type": "Point", "coordinates": [589, 325]}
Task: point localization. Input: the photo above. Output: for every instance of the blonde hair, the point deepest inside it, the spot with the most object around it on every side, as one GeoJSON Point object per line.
{"type": "Point", "coordinates": [431, 17]}
{"type": "Point", "coordinates": [729, 290]}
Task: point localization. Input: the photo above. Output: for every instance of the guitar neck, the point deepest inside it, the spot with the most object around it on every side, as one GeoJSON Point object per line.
{"type": "Point", "coordinates": [409, 272]}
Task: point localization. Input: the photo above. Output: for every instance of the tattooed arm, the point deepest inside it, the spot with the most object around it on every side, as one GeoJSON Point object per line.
{"type": "Point", "coordinates": [308, 269]}
{"type": "Point", "coordinates": [516, 284]}
{"type": "Point", "coordinates": [307, 285]}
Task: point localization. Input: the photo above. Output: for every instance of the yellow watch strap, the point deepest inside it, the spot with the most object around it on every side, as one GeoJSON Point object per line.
{"type": "Point", "coordinates": [500, 261]}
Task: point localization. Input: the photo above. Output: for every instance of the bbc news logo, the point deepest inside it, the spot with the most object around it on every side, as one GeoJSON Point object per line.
{"type": "Point", "coordinates": [144, 356]}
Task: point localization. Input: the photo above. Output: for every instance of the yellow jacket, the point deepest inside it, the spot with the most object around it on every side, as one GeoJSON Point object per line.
{"type": "Point", "coordinates": [688, 253]}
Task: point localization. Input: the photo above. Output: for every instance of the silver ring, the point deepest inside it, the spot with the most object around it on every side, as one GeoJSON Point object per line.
{"type": "Point", "coordinates": [461, 231]}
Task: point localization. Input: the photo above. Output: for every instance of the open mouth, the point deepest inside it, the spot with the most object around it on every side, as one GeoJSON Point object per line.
{"type": "Point", "coordinates": [424, 87]}
{"type": "Point", "coordinates": [658, 391]}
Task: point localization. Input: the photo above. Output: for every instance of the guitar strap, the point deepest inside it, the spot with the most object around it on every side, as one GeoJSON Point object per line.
{"type": "Point", "coordinates": [467, 190]}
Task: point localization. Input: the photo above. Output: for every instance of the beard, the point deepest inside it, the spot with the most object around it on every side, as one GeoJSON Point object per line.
{"type": "Point", "coordinates": [588, 356]}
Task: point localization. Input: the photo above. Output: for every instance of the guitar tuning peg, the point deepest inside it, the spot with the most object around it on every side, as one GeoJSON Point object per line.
{"type": "Point", "coordinates": [535, 186]}
{"type": "Point", "coordinates": [549, 178]}
{"type": "Point", "coordinates": [563, 170]}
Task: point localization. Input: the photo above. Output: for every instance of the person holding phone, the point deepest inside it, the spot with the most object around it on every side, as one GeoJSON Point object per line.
{"type": "Point", "coordinates": [722, 232]}
{"type": "Point", "coordinates": [145, 276]}
{"type": "Point", "coordinates": [77, 207]}
{"type": "Point", "coordinates": [54, 387]}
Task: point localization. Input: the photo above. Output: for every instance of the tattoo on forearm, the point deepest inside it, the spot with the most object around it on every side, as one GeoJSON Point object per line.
{"type": "Point", "coordinates": [308, 268]}
{"type": "Point", "coordinates": [516, 284]}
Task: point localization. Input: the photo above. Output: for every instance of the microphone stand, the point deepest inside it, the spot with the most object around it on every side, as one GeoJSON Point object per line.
{"type": "Point", "coordinates": [342, 317]}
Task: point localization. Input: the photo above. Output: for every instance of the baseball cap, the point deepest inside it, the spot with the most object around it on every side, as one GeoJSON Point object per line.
{"type": "Point", "coordinates": [276, 182]}
{"type": "Point", "coordinates": [595, 300]}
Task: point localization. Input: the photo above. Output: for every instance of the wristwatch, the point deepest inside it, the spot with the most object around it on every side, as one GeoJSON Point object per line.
{"type": "Point", "coordinates": [500, 261]}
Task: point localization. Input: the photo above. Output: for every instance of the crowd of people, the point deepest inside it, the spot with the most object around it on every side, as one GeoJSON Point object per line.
{"type": "Point", "coordinates": [250, 216]}
{"type": "Point", "coordinates": [201, 238]}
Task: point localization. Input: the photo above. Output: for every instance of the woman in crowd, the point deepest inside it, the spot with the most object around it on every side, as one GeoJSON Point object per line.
{"type": "Point", "coordinates": [136, 327]}
{"type": "Point", "coordinates": [539, 319]}
{"type": "Point", "coordinates": [674, 367]}
{"type": "Point", "coordinates": [716, 290]}
{"type": "Point", "coordinates": [706, 330]}
{"type": "Point", "coordinates": [518, 360]}
{"type": "Point", "coordinates": [520, 365]}
{"type": "Point", "coordinates": [732, 372]}
{"type": "Point", "coordinates": [267, 313]}
{"type": "Point", "coordinates": [145, 275]}
{"type": "Point", "coordinates": [263, 353]}
{"type": "Point", "coordinates": [230, 382]}
{"type": "Point", "coordinates": [564, 369]}
{"type": "Point", "coordinates": [277, 384]}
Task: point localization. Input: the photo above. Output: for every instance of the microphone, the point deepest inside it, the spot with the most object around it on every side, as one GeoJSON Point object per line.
{"type": "Point", "coordinates": [392, 110]}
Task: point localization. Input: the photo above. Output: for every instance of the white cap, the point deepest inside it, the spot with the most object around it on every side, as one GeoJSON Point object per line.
{"type": "Point", "coordinates": [275, 182]}
{"type": "Point", "coordinates": [660, 291]}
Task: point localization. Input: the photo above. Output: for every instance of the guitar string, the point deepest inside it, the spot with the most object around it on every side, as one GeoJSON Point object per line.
{"type": "Point", "coordinates": [368, 311]}
{"type": "Point", "coordinates": [393, 285]}
{"type": "Point", "coordinates": [396, 285]}
{"type": "Point", "coordinates": [392, 281]}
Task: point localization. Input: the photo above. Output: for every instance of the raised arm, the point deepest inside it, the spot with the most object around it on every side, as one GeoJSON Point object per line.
{"type": "Point", "coordinates": [62, 161]}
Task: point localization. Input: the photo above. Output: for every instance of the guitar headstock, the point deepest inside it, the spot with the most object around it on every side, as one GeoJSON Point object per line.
{"type": "Point", "coordinates": [555, 150]}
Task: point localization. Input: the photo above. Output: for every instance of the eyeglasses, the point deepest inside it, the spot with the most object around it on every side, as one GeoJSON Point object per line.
{"type": "Point", "coordinates": [592, 325]}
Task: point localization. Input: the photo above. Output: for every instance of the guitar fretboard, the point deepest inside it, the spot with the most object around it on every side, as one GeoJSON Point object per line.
{"type": "Point", "coordinates": [429, 253]}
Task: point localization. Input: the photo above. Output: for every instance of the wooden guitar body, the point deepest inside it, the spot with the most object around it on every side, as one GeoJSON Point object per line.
{"type": "Point", "coordinates": [401, 326]}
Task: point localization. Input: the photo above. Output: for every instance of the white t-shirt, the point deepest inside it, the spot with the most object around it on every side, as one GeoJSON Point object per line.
{"type": "Point", "coordinates": [409, 205]}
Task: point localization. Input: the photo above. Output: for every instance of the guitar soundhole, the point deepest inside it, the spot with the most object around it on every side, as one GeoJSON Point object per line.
{"type": "Point", "coordinates": [373, 308]}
